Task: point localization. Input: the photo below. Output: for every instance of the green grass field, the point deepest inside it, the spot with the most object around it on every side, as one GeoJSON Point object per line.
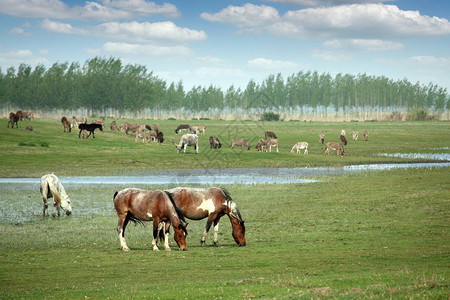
{"type": "Point", "coordinates": [48, 149]}
{"type": "Point", "coordinates": [373, 235]}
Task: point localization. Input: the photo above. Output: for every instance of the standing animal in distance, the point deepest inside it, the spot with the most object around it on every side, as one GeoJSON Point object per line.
{"type": "Point", "coordinates": [343, 139]}
{"type": "Point", "coordinates": [30, 128]}
{"type": "Point", "coordinates": [67, 126]}
{"type": "Point", "coordinates": [214, 143]}
{"type": "Point", "coordinates": [343, 132]}
{"type": "Point", "coordinates": [239, 142]}
{"type": "Point", "coordinates": [335, 147]}
{"type": "Point", "coordinates": [272, 143]}
{"type": "Point", "coordinates": [188, 139]}
{"type": "Point", "coordinates": [50, 187]}
{"type": "Point", "coordinates": [321, 138]}
{"type": "Point", "coordinates": [270, 134]}
{"type": "Point", "coordinates": [211, 203]}
{"type": "Point", "coordinates": [77, 121]}
{"type": "Point", "coordinates": [138, 205]}
{"type": "Point", "coordinates": [141, 135]}
{"type": "Point", "coordinates": [366, 135]}
{"type": "Point", "coordinates": [183, 127]}
{"type": "Point", "coordinates": [13, 118]}
{"type": "Point", "coordinates": [197, 129]}
{"type": "Point", "coordinates": [113, 125]}
{"type": "Point", "coordinates": [299, 146]}
{"type": "Point", "coordinates": [355, 135]}
{"type": "Point", "coordinates": [89, 127]}
{"type": "Point", "coordinates": [262, 145]}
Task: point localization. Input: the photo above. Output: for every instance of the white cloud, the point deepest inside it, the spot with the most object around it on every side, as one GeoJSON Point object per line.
{"type": "Point", "coordinates": [357, 21]}
{"type": "Point", "coordinates": [146, 32]}
{"type": "Point", "coordinates": [144, 7]}
{"type": "Point", "coordinates": [331, 56]}
{"type": "Point", "coordinates": [248, 18]}
{"type": "Point", "coordinates": [269, 64]}
{"type": "Point", "coordinates": [361, 45]}
{"type": "Point", "coordinates": [92, 10]}
{"type": "Point", "coordinates": [119, 49]}
{"type": "Point", "coordinates": [131, 32]}
{"type": "Point", "coordinates": [19, 56]}
{"type": "Point", "coordinates": [59, 27]}
{"type": "Point", "coordinates": [19, 31]}
{"type": "Point", "coordinates": [317, 3]}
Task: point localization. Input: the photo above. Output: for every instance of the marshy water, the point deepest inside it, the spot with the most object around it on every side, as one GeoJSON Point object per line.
{"type": "Point", "coordinates": [92, 195]}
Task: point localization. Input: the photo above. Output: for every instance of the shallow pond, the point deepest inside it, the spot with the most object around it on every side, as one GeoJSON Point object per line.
{"type": "Point", "coordinates": [93, 195]}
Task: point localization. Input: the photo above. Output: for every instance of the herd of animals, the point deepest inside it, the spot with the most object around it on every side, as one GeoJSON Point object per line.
{"type": "Point", "coordinates": [149, 134]}
{"type": "Point", "coordinates": [169, 207]}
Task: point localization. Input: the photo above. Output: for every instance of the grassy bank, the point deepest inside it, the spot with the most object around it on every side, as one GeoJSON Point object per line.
{"type": "Point", "coordinates": [48, 149]}
{"type": "Point", "coordinates": [383, 234]}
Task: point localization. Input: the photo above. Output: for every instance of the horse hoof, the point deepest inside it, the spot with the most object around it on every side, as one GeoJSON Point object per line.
{"type": "Point", "coordinates": [203, 244]}
{"type": "Point", "coordinates": [216, 243]}
{"type": "Point", "coordinates": [168, 249]}
{"type": "Point", "coordinates": [155, 249]}
{"type": "Point", "coordinates": [126, 249]}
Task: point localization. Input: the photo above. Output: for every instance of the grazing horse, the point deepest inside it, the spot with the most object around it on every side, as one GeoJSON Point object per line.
{"type": "Point", "coordinates": [183, 127]}
{"type": "Point", "coordinates": [211, 203]}
{"type": "Point", "coordinates": [113, 125]}
{"type": "Point", "coordinates": [89, 127]}
{"type": "Point", "coordinates": [300, 145]}
{"type": "Point", "coordinates": [13, 118]}
{"type": "Point", "coordinates": [51, 186]}
{"type": "Point", "coordinates": [67, 126]}
{"type": "Point", "coordinates": [335, 146]}
{"type": "Point", "coordinates": [188, 139]}
{"type": "Point", "coordinates": [270, 134]}
{"type": "Point", "coordinates": [214, 142]}
{"type": "Point", "coordinates": [343, 139]}
{"type": "Point", "coordinates": [239, 142]}
{"type": "Point", "coordinates": [138, 205]}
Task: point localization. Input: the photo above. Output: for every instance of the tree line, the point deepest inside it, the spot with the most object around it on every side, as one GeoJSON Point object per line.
{"type": "Point", "coordinates": [103, 83]}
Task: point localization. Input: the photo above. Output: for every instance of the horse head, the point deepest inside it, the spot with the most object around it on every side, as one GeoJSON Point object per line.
{"type": "Point", "coordinates": [238, 231]}
{"type": "Point", "coordinates": [65, 205]}
{"type": "Point", "coordinates": [180, 236]}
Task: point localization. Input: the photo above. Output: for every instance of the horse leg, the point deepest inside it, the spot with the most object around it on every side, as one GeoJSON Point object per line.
{"type": "Point", "coordinates": [93, 135]}
{"type": "Point", "coordinates": [155, 234]}
{"type": "Point", "coordinates": [207, 227]}
{"type": "Point", "coordinates": [216, 232]}
{"type": "Point", "coordinates": [45, 210]}
{"type": "Point", "coordinates": [123, 221]}
{"type": "Point", "coordinates": [79, 133]}
{"type": "Point", "coordinates": [165, 226]}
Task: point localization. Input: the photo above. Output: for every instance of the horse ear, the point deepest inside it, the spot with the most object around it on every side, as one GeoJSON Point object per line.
{"type": "Point", "coordinates": [242, 222]}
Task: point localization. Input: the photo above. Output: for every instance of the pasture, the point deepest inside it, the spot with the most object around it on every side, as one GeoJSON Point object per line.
{"type": "Point", "coordinates": [49, 149]}
{"type": "Point", "coordinates": [378, 234]}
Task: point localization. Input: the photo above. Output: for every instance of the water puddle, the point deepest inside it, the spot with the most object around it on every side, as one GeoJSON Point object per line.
{"type": "Point", "coordinates": [433, 156]}
{"type": "Point", "coordinates": [21, 201]}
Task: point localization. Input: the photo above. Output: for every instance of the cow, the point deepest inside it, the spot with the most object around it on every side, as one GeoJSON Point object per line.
{"type": "Point", "coordinates": [270, 134]}
{"type": "Point", "coordinates": [336, 147]}
{"type": "Point", "coordinates": [300, 145]}
{"type": "Point", "coordinates": [239, 142]}
{"type": "Point", "coordinates": [183, 127]}
{"type": "Point", "coordinates": [214, 143]}
{"type": "Point", "coordinates": [188, 139]}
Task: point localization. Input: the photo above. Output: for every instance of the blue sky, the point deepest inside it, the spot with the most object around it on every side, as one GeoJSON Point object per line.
{"type": "Point", "coordinates": [228, 43]}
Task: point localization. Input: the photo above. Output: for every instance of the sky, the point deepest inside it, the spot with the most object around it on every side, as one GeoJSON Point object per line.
{"type": "Point", "coordinates": [224, 43]}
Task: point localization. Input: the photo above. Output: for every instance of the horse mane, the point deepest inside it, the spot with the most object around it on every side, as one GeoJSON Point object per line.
{"type": "Point", "coordinates": [230, 200]}
{"type": "Point", "coordinates": [177, 209]}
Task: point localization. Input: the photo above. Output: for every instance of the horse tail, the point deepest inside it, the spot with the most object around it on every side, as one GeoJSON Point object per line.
{"type": "Point", "coordinates": [132, 218]}
{"type": "Point", "coordinates": [232, 205]}
{"type": "Point", "coordinates": [115, 194]}
{"type": "Point", "coordinates": [177, 209]}
{"type": "Point", "coordinates": [55, 192]}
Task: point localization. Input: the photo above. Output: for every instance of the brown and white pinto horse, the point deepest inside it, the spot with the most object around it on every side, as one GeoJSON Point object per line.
{"type": "Point", "coordinates": [138, 205]}
{"type": "Point", "coordinates": [211, 203]}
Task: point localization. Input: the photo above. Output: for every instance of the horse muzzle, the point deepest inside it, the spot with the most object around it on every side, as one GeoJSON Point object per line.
{"type": "Point", "coordinates": [183, 249]}
{"type": "Point", "coordinates": [68, 212]}
{"type": "Point", "coordinates": [242, 244]}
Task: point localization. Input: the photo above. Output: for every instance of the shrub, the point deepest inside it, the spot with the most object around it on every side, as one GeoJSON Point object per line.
{"type": "Point", "coordinates": [171, 119]}
{"type": "Point", "coordinates": [270, 116]}
{"type": "Point", "coordinates": [419, 115]}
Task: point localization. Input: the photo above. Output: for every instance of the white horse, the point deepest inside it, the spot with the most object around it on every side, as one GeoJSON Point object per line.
{"type": "Point", "coordinates": [300, 145]}
{"type": "Point", "coordinates": [51, 186]}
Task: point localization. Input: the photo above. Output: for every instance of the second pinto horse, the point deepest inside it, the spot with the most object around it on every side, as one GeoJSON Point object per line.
{"type": "Point", "coordinates": [211, 203]}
